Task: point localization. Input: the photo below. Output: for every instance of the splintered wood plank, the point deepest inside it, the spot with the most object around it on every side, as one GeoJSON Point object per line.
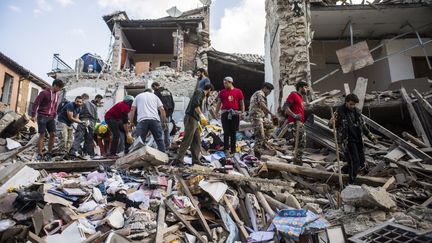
{"type": "Point", "coordinates": [360, 91]}
{"type": "Point", "coordinates": [414, 117]}
{"type": "Point", "coordinates": [401, 142]}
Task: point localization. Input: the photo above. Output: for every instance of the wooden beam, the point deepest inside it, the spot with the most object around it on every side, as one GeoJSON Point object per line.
{"type": "Point", "coordinates": [238, 221]}
{"type": "Point", "coordinates": [227, 177]}
{"type": "Point", "coordinates": [414, 117]}
{"type": "Point", "coordinates": [275, 203]}
{"type": "Point", "coordinates": [389, 183]}
{"type": "Point", "coordinates": [323, 175]}
{"type": "Point", "coordinates": [427, 202]}
{"type": "Point", "coordinates": [201, 217]}
{"type": "Point", "coordinates": [347, 89]}
{"type": "Point", "coordinates": [399, 141]}
{"type": "Point", "coordinates": [70, 165]}
{"type": "Point", "coordinates": [259, 195]}
{"type": "Point", "coordinates": [426, 105]}
{"type": "Point", "coordinates": [414, 140]}
{"type": "Point", "coordinates": [360, 91]}
{"type": "Point", "coordinates": [184, 221]}
{"type": "Point", "coordinates": [161, 216]}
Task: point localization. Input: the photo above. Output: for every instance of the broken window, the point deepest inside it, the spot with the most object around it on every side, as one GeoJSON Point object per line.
{"type": "Point", "coordinates": [7, 89]}
{"type": "Point", "coordinates": [33, 94]}
{"type": "Point", "coordinates": [421, 68]}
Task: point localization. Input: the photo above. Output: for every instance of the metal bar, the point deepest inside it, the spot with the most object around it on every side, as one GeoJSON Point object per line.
{"type": "Point", "coordinates": [400, 52]}
{"type": "Point", "coordinates": [421, 44]}
{"type": "Point", "coordinates": [343, 30]}
{"type": "Point", "coordinates": [351, 33]}
{"type": "Point", "coordinates": [377, 60]}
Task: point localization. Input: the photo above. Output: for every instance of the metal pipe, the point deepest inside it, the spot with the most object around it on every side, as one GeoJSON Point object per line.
{"type": "Point", "coordinates": [376, 48]}
{"type": "Point", "coordinates": [351, 33]}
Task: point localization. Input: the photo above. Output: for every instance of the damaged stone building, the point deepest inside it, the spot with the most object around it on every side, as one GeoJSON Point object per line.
{"type": "Point", "coordinates": [168, 50]}
{"type": "Point", "coordinates": [301, 41]}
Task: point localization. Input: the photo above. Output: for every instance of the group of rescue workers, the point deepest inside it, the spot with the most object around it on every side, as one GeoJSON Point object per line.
{"type": "Point", "coordinates": [82, 132]}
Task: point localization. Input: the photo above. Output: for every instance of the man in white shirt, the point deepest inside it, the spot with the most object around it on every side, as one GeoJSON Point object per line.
{"type": "Point", "coordinates": [147, 105]}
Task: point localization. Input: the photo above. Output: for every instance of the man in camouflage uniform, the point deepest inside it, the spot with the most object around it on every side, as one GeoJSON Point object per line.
{"type": "Point", "coordinates": [350, 128]}
{"type": "Point", "coordinates": [258, 113]}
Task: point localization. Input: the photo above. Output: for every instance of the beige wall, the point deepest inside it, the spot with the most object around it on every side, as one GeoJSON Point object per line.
{"type": "Point", "coordinates": [189, 53]}
{"type": "Point", "coordinates": [154, 59]}
{"type": "Point", "coordinates": [3, 71]}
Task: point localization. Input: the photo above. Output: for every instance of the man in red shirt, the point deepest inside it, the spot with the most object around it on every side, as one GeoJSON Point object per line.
{"type": "Point", "coordinates": [295, 111]}
{"type": "Point", "coordinates": [232, 101]}
{"type": "Point", "coordinates": [118, 123]}
{"type": "Point", "coordinates": [45, 107]}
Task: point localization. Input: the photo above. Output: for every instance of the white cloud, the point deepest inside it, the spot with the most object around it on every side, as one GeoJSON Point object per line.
{"type": "Point", "coordinates": [78, 33]}
{"type": "Point", "coordinates": [65, 3]}
{"type": "Point", "coordinates": [42, 6]}
{"type": "Point", "coordinates": [147, 9]}
{"type": "Point", "coordinates": [15, 8]}
{"type": "Point", "coordinates": [241, 28]}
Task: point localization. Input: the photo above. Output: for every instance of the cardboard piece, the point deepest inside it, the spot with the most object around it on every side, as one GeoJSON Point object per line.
{"type": "Point", "coordinates": [354, 57]}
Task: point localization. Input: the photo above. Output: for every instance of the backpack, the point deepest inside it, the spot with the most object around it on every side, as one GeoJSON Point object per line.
{"type": "Point", "coordinates": [62, 105]}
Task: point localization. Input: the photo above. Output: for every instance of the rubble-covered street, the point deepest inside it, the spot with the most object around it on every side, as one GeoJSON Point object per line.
{"type": "Point", "coordinates": [327, 138]}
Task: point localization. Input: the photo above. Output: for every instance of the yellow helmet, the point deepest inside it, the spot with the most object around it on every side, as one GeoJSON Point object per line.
{"type": "Point", "coordinates": [102, 129]}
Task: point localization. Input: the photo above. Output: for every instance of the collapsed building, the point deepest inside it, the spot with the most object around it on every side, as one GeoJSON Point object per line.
{"type": "Point", "coordinates": [168, 50]}
{"type": "Point", "coordinates": [140, 197]}
{"type": "Point", "coordinates": [385, 44]}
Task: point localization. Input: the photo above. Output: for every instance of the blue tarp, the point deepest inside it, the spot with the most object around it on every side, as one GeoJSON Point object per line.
{"type": "Point", "coordinates": [90, 59]}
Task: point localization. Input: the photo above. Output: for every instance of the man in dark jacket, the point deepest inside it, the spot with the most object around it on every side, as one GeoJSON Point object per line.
{"type": "Point", "coordinates": [350, 128]}
{"type": "Point", "coordinates": [84, 131]}
{"type": "Point", "coordinates": [168, 103]}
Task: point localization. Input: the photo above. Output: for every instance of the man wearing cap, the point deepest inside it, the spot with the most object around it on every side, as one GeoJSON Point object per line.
{"type": "Point", "coordinates": [118, 123]}
{"type": "Point", "coordinates": [258, 113]}
{"type": "Point", "coordinates": [232, 101]}
{"type": "Point", "coordinates": [294, 109]}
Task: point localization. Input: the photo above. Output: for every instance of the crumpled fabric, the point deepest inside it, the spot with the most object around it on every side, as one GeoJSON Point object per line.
{"type": "Point", "coordinates": [230, 225]}
{"type": "Point", "coordinates": [292, 223]}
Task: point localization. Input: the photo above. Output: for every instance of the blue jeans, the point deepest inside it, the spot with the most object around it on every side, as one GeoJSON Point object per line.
{"type": "Point", "coordinates": [155, 127]}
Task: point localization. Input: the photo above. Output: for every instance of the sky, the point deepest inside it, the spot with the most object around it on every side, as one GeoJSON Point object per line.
{"type": "Point", "coordinates": [33, 30]}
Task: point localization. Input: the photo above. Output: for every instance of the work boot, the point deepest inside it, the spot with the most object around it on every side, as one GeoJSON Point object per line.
{"type": "Point", "coordinates": [176, 163]}
{"type": "Point", "coordinates": [48, 157]}
{"type": "Point", "coordinates": [39, 157]}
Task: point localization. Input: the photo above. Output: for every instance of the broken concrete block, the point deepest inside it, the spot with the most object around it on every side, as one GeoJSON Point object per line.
{"type": "Point", "coordinates": [366, 196]}
{"type": "Point", "coordinates": [291, 201]}
{"type": "Point", "coordinates": [348, 208]}
{"type": "Point", "coordinates": [144, 156]}
{"type": "Point", "coordinates": [313, 207]}
{"type": "Point", "coordinates": [6, 201]}
{"type": "Point", "coordinates": [16, 175]}
{"type": "Point", "coordinates": [115, 218]}
{"type": "Point", "coordinates": [378, 216]}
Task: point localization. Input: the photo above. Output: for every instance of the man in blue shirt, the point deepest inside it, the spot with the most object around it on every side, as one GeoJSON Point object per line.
{"type": "Point", "coordinates": [68, 115]}
{"type": "Point", "coordinates": [202, 78]}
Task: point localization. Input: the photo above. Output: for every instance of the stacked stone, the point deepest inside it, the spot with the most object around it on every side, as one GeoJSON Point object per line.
{"type": "Point", "coordinates": [295, 39]}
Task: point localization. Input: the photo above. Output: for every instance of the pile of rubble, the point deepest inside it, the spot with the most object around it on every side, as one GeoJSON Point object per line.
{"type": "Point", "coordinates": [242, 198]}
{"type": "Point", "coordinates": [179, 83]}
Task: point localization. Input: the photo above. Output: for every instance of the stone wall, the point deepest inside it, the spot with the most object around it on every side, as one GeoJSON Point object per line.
{"type": "Point", "coordinates": [289, 43]}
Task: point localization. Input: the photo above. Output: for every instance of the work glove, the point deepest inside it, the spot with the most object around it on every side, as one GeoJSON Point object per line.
{"type": "Point", "coordinates": [203, 120]}
{"type": "Point", "coordinates": [297, 117]}
{"type": "Point", "coordinates": [129, 138]}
